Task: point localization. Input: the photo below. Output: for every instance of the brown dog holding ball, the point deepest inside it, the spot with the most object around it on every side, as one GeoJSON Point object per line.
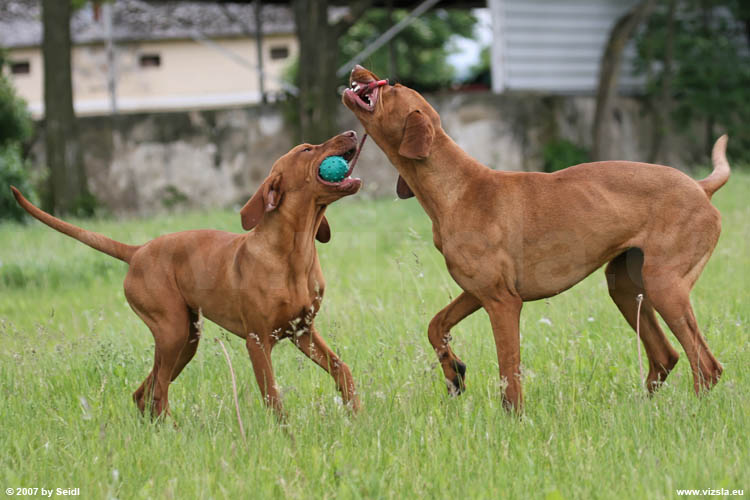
{"type": "Point", "coordinates": [263, 286]}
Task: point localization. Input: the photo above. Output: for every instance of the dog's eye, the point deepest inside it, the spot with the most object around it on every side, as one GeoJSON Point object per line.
{"type": "Point", "coordinates": [306, 150]}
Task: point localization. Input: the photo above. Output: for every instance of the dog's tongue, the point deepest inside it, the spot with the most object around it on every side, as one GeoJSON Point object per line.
{"type": "Point", "coordinates": [370, 86]}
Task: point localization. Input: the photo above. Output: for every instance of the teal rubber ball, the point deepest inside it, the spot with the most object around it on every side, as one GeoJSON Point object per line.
{"type": "Point", "coordinates": [333, 169]}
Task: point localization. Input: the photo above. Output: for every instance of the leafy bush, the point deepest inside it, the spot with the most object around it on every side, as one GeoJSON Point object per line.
{"type": "Point", "coordinates": [15, 120]}
{"type": "Point", "coordinates": [420, 50]}
{"type": "Point", "coordinates": [13, 172]}
{"type": "Point", "coordinates": [561, 153]}
{"type": "Point", "coordinates": [709, 80]}
{"type": "Point", "coordinates": [15, 128]}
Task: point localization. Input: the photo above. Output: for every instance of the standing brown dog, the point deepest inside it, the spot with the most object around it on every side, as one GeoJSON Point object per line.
{"type": "Point", "coordinates": [263, 286]}
{"type": "Point", "coordinates": [510, 237]}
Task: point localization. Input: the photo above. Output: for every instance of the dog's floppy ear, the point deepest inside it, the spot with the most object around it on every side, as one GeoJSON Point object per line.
{"type": "Point", "coordinates": [418, 135]}
{"type": "Point", "coordinates": [402, 189]}
{"type": "Point", "coordinates": [266, 198]}
{"type": "Point", "coordinates": [324, 231]}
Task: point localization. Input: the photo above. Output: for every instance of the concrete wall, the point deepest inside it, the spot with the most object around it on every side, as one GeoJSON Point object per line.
{"type": "Point", "coordinates": [144, 163]}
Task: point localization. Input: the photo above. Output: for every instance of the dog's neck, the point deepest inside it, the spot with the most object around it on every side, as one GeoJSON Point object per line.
{"type": "Point", "coordinates": [290, 231]}
{"type": "Point", "coordinates": [447, 171]}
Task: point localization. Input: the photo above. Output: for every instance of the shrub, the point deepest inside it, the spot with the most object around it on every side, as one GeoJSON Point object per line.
{"type": "Point", "coordinates": [709, 77]}
{"type": "Point", "coordinates": [15, 128]}
{"type": "Point", "coordinates": [13, 172]}
{"type": "Point", "coordinates": [561, 153]}
{"type": "Point", "coordinates": [15, 120]}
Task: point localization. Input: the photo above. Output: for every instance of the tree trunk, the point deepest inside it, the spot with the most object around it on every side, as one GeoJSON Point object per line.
{"type": "Point", "coordinates": [318, 100]}
{"type": "Point", "coordinates": [663, 109]}
{"type": "Point", "coordinates": [67, 182]}
{"type": "Point", "coordinates": [318, 103]}
{"type": "Point", "coordinates": [609, 72]}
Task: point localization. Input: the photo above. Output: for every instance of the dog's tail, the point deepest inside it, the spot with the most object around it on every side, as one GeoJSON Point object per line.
{"type": "Point", "coordinates": [719, 176]}
{"type": "Point", "coordinates": [94, 240]}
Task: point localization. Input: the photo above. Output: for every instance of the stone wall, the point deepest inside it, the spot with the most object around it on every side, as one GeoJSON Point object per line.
{"type": "Point", "coordinates": [145, 163]}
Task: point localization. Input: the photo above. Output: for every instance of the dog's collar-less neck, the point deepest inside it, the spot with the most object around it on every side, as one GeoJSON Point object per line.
{"type": "Point", "coordinates": [285, 227]}
{"type": "Point", "coordinates": [426, 176]}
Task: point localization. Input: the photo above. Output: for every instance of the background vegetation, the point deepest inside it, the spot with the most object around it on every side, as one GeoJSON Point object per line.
{"type": "Point", "coordinates": [558, 154]}
{"type": "Point", "coordinates": [15, 129]}
{"type": "Point", "coordinates": [72, 352]}
{"type": "Point", "coordinates": [416, 57]}
{"type": "Point", "coordinates": [695, 55]}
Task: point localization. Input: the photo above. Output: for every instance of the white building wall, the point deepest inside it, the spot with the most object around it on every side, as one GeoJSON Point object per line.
{"type": "Point", "coordinates": [190, 75]}
{"type": "Point", "coordinates": [554, 46]}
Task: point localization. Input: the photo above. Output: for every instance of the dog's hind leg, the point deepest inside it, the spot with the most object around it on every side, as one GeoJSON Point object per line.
{"type": "Point", "coordinates": [671, 266]}
{"type": "Point", "coordinates": [171, 334]}
{"type": "Point", "coordinates": [146, 390]}
{"type": "Point", "coordinates": [188, 351]}
{"type": "Point", "coordinates": [625, 283]}
{"type": "Point", "coordinates": [315, 348]}
{"type": "Point", "coordinates": [171, 330]}
{"type": "Point", "coordinates": [672, 300]}
{"type": "Point", "coordinates": [439, 335]}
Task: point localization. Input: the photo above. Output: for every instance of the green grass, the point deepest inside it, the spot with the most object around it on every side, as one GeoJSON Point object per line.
{"type": "Point", "coordinates": [72, 352]}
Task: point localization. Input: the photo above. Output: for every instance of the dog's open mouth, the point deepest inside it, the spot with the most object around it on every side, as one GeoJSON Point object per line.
{"type": "Point", "coordinates": [348, 182]}
{"type": "Point", "coordinates": [365, 94]}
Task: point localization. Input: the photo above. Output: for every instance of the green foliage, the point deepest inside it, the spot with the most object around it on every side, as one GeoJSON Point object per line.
{"type": "Point", "coordinates": [711, 66]}
{"type": "Point", "coordinates": [72, 352]}
{"type": "Point", "coordinates": [15, 119]}
{"type": "Point", "coordinates": [290, 105]}
{"type": "Point", "coordinates": [86, 205]}
{"type": "Point", "coordinates": [173, 197]}
{"type": "Point", "coordinates": [13, 172]}
{"type": "Point", "coordinates": [558, 154]}
{"type": "Point", "coordinates": [79, 4]}
{"type": "Point", "coordinates": [15, 128]}
{"type": "Point", "coordinates": [421, 48]}
{"type": "Point", "coordinates": [481, 72]}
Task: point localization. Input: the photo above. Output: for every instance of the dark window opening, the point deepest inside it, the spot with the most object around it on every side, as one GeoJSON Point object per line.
{"type": "Point", "coordinates": [150, 61]}
{"type": "Point", "coordinates": [20, 67]}
{"type": "Point", "coordinates": [279, 52]}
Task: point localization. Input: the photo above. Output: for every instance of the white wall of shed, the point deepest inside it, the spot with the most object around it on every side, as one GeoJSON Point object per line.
{"type": "Point", "coordinates": [554, 46]}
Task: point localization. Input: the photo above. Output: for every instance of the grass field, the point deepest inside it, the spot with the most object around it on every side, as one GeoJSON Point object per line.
{"type": "Point", "coordinates": [72, 352]}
